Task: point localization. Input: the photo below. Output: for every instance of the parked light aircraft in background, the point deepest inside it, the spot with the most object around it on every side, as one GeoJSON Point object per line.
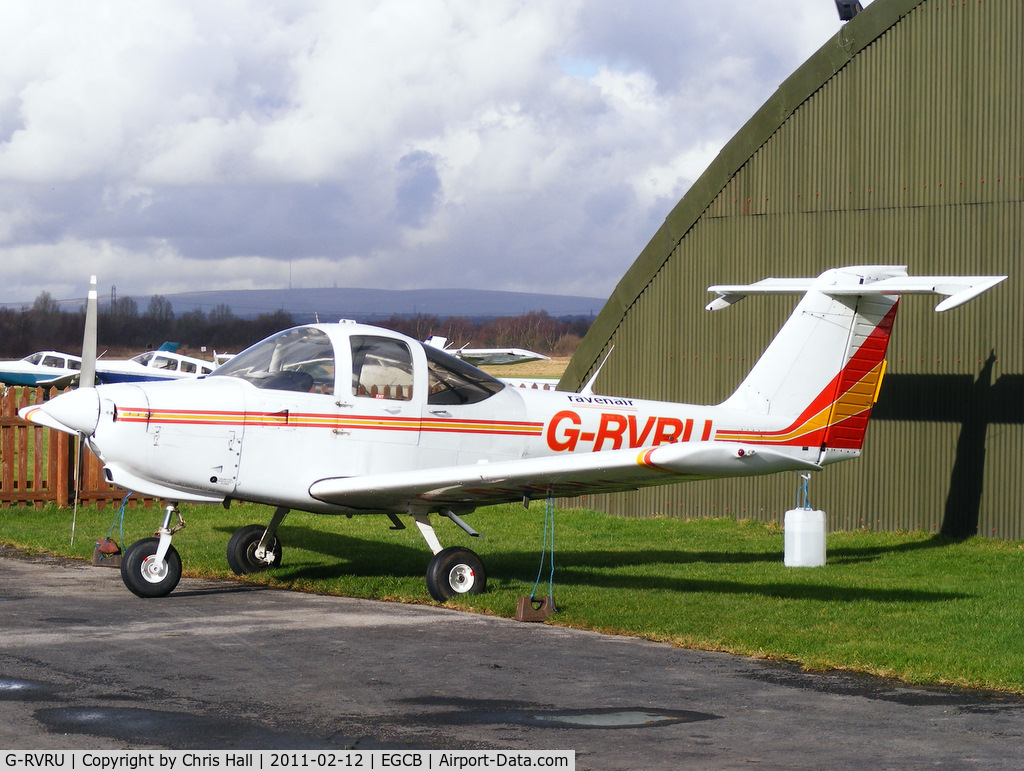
{"type": "Point", "coordinates": [44, 368]}
{"type": "Point", "coordinates": [165, 363]}
{"type": "Point", "coordinates": [480, 357]}
{"type": "Point", "coordinates": [59, 370]}
{"type": "Point", "coordinates": [352, 419]}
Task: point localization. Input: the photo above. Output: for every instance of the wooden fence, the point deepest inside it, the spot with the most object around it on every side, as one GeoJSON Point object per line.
{"type": "Point", "coordinates": [38, 464]}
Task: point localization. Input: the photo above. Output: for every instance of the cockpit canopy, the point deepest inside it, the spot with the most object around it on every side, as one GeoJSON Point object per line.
{"type": "Point", "coordinates": [159, 360]}
{"type": "Point", "coordinates": [375, 366]}
{"type": "Point", "coordinates": [300, 359]}
{"type": "Point", "coordinates": [54, 359]}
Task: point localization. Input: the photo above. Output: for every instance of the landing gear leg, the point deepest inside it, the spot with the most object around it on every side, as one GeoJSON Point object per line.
{"type": "Point", "coordinates": [452, 571]}
{"type": "Point", "coordinates": [152, 567]}
{"type": "Point", "coordinates": [254, 547]}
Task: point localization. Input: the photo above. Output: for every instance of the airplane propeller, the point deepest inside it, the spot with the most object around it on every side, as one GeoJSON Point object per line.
{"type": "Point", "coordinates": [88, 376]}
{"type": "Point", "coordinates": [87, 380]}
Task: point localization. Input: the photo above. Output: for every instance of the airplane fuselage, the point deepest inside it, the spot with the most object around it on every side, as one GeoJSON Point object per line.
{"type": "Point", "coordinates": [223, 438]}
{"type": "Point", "coordinates": [39, 369]}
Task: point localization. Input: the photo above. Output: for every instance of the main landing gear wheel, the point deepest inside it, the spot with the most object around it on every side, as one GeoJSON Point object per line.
{"type": "Point", "coordinates": [455, 570]}
{"type": "Point", "coordinates": [146, 577]}
{"type": "Point", "coordinates": [242, 557]}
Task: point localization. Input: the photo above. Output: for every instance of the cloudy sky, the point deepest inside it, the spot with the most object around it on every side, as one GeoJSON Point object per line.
{"type": "Point", "coordinates": [509, 144]}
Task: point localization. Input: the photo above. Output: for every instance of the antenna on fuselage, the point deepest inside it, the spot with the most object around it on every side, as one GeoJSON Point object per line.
{"type": "Point", "coordinates": [588, 389]}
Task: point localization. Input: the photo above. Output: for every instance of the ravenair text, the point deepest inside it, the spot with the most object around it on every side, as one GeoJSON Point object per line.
{"type": "Point", "coordinates": [601, 401]}
{"type": "Point", "coordinates": [568, 431]}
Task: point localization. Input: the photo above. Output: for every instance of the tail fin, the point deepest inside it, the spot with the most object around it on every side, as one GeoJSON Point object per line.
{"type": "Point", "coordinates": [821, 374]}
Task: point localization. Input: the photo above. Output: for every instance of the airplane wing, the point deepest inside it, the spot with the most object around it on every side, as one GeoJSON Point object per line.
{"type": "Point", "coordinates": [62, 382]}
{"type": "Point", "coordinates": [559, 476]}
{"type": "Point", "coordinates": [482, 356]}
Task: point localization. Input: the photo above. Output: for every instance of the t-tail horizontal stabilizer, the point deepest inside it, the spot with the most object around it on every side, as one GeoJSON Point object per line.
{"type": "Point", "coordinates": [888, 280]}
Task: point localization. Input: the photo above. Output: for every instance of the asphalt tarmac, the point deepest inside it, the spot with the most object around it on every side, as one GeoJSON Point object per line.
{"type": "Point", "coordinates": [84, 664]}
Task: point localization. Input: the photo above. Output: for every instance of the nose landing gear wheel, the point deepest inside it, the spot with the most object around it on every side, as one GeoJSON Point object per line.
{"type": "Point", "coordinates": [455, 570]}
{"type": "Point", "coordinates": [242, 557]}
{"type": "Point", "coordinates": [146, 577]}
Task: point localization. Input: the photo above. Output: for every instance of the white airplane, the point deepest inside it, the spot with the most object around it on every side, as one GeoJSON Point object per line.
{"type": "Point", "coordinates": [352, 419]}
{"type": "Point", "coordinates": [165, 363]}
{"type": "Point", "coordinates": [479, 357]}
{"type": "Point", "coordinates": [43, 368]}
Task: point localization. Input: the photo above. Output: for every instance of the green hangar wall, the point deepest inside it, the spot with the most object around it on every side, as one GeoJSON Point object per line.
{"type": "Point", "coordinates": [901, 141]}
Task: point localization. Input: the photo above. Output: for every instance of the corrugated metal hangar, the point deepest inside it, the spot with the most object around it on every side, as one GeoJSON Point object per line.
{"type": "Point", "coordinates": [901, 141]}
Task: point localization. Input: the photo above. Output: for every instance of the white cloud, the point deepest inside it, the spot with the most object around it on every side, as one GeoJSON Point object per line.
{"type": "Point", "coordinates": [665, 182]}
{"type": "Point", "coordinates": [628, 92]}
{"type": "Point", "coordinates": [521, 145]}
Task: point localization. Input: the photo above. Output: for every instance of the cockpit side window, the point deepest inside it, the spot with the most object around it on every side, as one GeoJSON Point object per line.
{"type": "Point", "coordinates": [381, 368]}
{"type": "Point", "coordinates": [453, 381]}
{"type": "Point", "coordinates": [300, 359]}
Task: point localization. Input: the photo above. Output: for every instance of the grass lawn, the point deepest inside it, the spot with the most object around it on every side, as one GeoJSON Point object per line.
{"type": "Point", "coordinates": [553, 368]}
{"type": "Point", "coordinates": [908, 605]}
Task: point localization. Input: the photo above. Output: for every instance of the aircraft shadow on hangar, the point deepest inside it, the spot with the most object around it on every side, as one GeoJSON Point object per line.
{"type": "Point", "coordinates": [975, 403]}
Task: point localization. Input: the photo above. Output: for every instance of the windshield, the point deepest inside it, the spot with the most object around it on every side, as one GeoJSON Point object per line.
{"type": "Point", "coordinates": [300, 359]}
{"type": "Point", "coordinates": [453, 381]}
{"type": "Point", "coordinates": [155, 360]}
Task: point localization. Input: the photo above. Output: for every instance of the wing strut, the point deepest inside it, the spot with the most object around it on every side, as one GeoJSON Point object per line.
{"type": "Point", "coordinates": [458, 521]}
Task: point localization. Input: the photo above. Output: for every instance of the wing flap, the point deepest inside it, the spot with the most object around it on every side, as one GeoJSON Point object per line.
{"type": "Point", "coordinates": [558, 476]}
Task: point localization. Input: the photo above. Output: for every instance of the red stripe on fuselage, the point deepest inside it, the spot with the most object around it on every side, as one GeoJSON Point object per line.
{"type": "Point", "coordinates": [320, 420]}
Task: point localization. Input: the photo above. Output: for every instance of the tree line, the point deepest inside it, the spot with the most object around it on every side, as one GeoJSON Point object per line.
{"type": "Point", "coordinates": [122, 328]}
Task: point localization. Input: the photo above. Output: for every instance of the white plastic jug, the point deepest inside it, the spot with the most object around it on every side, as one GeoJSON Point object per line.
{"type": "Point", "coordinates": [805, 538]}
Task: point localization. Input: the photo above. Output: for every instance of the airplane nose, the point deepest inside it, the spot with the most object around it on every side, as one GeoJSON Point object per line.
{"type": "Point", "coordinates": [76, 412]}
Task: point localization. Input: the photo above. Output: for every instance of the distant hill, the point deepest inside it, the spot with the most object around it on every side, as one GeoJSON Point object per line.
{"type": "Point", "coordinates": [376, 304]}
